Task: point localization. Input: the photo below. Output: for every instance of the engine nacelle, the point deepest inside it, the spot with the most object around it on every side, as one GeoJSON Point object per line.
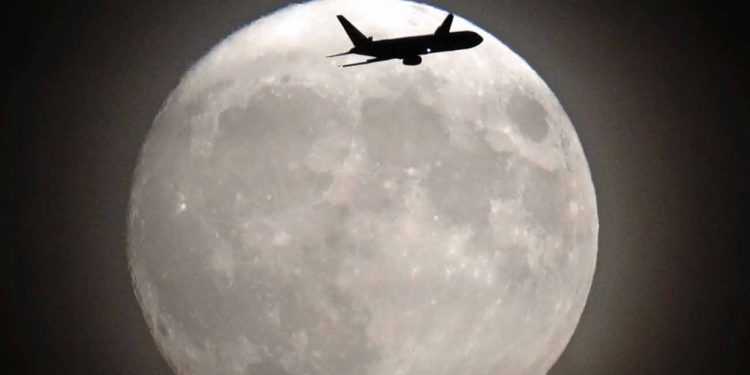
{"type": "Point", "coordinates": [412, 60]}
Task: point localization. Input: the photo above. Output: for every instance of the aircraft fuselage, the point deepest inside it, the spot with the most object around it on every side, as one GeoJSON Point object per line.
{"type": "Point", "coordinates": [408, 49]}
{"type": "Point", "coordinates": [402, 48]}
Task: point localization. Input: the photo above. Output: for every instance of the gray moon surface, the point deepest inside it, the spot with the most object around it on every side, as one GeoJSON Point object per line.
{"type": "Point", "coordinates": [290, 217]}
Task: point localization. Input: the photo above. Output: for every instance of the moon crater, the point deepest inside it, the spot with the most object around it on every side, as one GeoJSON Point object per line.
{"type": "Point", "coordinates": [529, 116]}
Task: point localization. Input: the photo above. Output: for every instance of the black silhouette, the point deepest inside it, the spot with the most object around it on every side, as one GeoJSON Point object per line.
{"type": "Point", "coordinates": [408, 49]}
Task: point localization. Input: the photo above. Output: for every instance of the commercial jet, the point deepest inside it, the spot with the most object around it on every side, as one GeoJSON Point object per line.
{"type": "Point", "coordinates": [407, 49]}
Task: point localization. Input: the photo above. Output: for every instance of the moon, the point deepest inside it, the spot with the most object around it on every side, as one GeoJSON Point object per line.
{"type": "Point", "coordinates": [291, 217]}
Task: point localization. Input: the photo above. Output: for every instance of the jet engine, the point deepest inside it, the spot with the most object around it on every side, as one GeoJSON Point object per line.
{"type": "Point", "coordinates": [412, 60]}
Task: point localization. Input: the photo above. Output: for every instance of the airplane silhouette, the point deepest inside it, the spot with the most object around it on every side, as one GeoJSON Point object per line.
{"type": "Point", "coordinates": [407, 49]}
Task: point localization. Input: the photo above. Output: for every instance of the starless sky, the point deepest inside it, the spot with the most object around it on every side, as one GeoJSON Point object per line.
{"type": "Point", "coordinates": [658, 95]}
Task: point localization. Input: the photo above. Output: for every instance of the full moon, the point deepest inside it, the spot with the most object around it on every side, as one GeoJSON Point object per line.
{"type": "Point", "coordinates": [292, 217]}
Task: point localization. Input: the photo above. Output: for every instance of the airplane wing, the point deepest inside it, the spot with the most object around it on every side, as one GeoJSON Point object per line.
{"type": "Point", "coordinates": [445, 27]}
{"type": "Point", "coordinates": [370, 61]}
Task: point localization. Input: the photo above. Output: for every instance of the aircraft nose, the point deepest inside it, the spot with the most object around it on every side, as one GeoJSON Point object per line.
{"type": "Point", "coordinates": [476, 39]}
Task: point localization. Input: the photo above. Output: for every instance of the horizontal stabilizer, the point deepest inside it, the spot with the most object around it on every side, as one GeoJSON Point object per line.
{"type": "Point", "coordinates": [341, 54]}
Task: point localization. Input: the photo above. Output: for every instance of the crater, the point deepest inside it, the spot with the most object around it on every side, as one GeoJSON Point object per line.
{"type": "Point", "coordinates": [161, 327]}
{"type": "Point", "coordinates": [198, 104]}
{"type": "Point", "coordinates": [529, 116]}
{"type": "Point", "coordinates": [265, 368]}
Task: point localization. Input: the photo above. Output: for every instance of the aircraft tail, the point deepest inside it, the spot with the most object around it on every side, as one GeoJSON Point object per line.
{"type": "Point", "coordinates": [355, 35]}
{"type": "Point", "coordinates": [445, 27]}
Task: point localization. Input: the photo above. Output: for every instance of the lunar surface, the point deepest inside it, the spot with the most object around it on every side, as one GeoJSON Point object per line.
{"type": "Point", "coordinates": [291, 217]}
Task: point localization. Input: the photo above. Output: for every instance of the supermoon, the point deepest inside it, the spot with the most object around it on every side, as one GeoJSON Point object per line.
{"type": "Point", "coordinates": [290, 217]}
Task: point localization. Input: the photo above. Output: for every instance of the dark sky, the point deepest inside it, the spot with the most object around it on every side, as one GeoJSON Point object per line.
{"type": "Point", "coordinates": [659, 96]}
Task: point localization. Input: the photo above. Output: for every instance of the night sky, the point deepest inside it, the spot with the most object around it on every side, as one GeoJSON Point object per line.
{"type": "Point", "coordinates": [659, 96]}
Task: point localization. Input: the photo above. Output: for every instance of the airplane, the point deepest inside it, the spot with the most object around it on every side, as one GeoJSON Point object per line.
{"type": "Point", "coordinates": [408, 49]}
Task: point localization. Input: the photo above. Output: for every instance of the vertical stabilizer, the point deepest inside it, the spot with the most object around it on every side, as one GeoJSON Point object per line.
{"type": "Point", "coordinates": [355, 35]}
{"type": "Point", "coordinates": [445, 27]}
